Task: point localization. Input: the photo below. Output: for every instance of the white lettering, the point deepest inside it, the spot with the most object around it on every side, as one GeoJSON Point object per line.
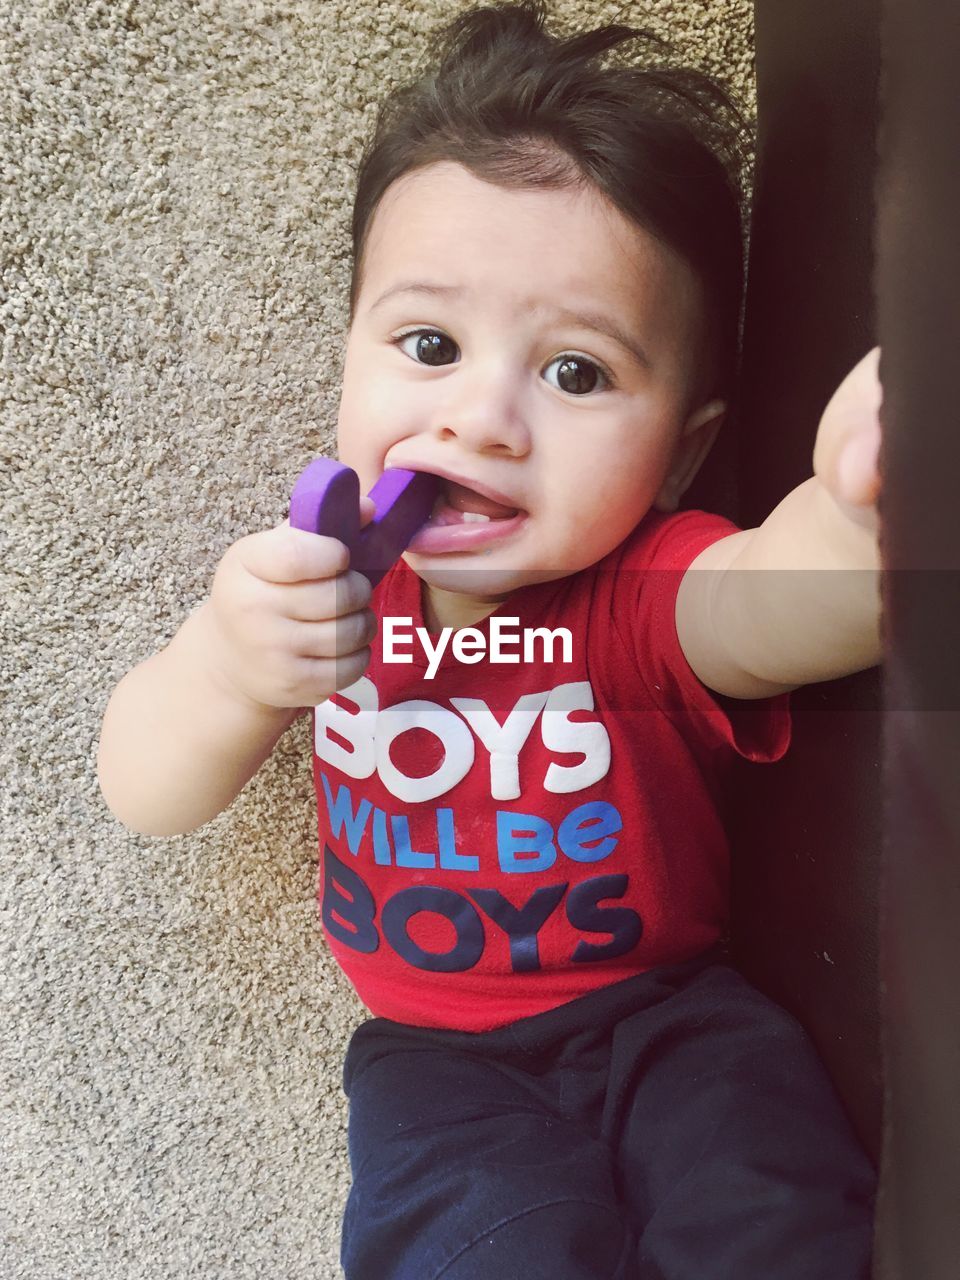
{"type": "Point", "coordinates": [562, 633]}
{"type": "Point", "coordinates": [355, 735]}
{"type": "Point", "coordinates": [469, 644]}
{"type": "Point", "coordinates": [356, 727]}
{"type": "Point", "coordinates": [391, 640]}
{"type": "Point", "coordinates": [498, 639]}
{"type": "Point", "coordinates": [560, 733]}
{"type": "Point", "coordinates": [477, 642]}
{"type": "Point", "coordinates": [502, 741]}
{"type": "Point", "coordinates": [434, 652]}
{"type": "Point", "coordinates": [456, 738]}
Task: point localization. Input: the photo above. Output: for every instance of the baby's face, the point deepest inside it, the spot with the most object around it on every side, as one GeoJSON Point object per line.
{"type": "Point", "coordinates": [534, 347]}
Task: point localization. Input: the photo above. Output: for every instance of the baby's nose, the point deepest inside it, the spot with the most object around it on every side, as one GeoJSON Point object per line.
{"type": "Point", "coordinates": [482, 439]}
{"type": "Point", "coordinates": [486, 421]}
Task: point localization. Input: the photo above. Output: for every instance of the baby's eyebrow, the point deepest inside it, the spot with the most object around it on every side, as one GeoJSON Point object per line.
{"type": "Point", "coordinates": [567, 315]}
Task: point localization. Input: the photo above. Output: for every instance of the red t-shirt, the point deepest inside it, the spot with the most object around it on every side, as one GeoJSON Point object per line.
{"type": "Point", "coordinates": [504, 837]}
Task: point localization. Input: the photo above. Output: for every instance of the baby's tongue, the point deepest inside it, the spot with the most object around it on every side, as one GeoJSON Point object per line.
{"type": "Point", "coordinates": [463, 499]}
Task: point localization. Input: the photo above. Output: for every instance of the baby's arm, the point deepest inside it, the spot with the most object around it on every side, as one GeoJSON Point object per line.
{"type": "Point", "coordinates": [284, 627]}
{"type": "Point", "coordinates": [813, 613]}
{"type": "Point", "coordinates": [176, 746]}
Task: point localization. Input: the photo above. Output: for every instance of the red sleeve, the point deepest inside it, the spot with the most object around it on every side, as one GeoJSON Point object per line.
{"type": "Point", "coordinates": [757, 729]}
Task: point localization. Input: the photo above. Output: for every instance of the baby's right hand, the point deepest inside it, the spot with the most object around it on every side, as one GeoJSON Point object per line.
{"type": "Point", "coordinates": [289, 620]}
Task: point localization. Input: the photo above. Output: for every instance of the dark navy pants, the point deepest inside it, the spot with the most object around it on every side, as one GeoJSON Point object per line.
{"type": "Point", "coordinates": [678, 1125]}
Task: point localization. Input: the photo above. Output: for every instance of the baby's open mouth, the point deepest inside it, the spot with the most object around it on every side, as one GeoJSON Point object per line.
{"type": "Point", "coordinates": [456, 504]}
{"type": "Point", "coordinates": [464, 520]}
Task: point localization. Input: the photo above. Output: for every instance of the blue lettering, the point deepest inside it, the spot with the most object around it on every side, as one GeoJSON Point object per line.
{"type": "Point", "coordinates": [450, 860]}
{"type": "Point", "coordinates": [521, 924]}
{"type": "Point", "coordinates": [347, 895]}
{"type": "Point", "coordinates": [340, 812]}
{"type": "Point", "coordinates": [464, 953]}
{"type": "Point", "coordinates": [624, 925]}
{"type": "Point", "coordinates": [381, 842]}
{"type": "Point", "coordinates": [349, 911]}
{"type": "Point", "coordinates": [585, 824]}
{"type": "Point", "coordinates": [407, 857]}
{"type": "Point", "coordinates": [524, 842]}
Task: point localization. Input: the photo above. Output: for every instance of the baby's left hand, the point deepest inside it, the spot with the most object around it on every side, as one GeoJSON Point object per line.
{"type": "Point", "coordinates": [846, 453]}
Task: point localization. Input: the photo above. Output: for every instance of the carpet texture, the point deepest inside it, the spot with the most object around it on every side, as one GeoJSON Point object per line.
{"type": "Point", "coordinates": [174, 212]}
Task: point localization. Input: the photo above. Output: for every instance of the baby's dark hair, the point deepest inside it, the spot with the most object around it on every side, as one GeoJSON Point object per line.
{"type": "Point", "coordinates": [521, 108]}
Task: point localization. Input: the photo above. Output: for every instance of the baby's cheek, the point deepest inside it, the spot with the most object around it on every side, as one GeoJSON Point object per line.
{"type": "Point", "coordinates": [608, 512]}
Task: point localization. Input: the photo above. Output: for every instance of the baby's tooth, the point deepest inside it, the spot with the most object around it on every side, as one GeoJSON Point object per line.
{"type": "Point", "coordinates": [474, 517]}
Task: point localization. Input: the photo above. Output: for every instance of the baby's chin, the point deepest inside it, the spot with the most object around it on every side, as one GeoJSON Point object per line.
{"type": "Point", "coordinates": [487, 583]}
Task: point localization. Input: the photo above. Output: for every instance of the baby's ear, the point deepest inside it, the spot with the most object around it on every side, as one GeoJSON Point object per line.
{"type": "Point", "coordinates": [693, 444]}
{"type": "Point", "coordinates": [711, 412]}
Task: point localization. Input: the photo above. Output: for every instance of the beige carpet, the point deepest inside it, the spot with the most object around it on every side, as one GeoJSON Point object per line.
{"type": "Point", "coordinates": [173, 240]}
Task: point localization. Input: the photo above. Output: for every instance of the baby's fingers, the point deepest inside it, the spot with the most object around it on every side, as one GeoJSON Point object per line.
{"type": "Point", "coordinates": [845, 456]}
{"type": "Point", "coordinates": [858, 466]}
{"type": "Point", "coordinates": [367, 510]}
{"type": "Point", "coordinates": [329, 598]}
{"type": "Point", "coordinates": [284, 555]}
{"type": "Point", "coordinates": [335, 638]}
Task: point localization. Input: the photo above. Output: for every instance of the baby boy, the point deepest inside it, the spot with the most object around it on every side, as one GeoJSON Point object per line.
{"type": "Point", "coordinates": [522, 867]}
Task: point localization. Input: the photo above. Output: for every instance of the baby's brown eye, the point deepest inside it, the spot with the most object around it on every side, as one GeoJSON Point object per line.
{"type": "Point", "coordinates": [428, 347]}
{"type": "Point", "coordinates": [576, 375]}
